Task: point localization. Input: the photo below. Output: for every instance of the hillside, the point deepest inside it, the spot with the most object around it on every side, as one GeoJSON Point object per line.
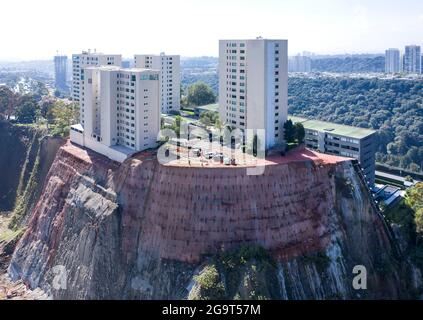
{"type": "Point", "coordinates": [146, 231]}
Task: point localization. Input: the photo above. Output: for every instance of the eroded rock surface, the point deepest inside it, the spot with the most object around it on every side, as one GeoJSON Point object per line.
{"type": "Point", "coordinates": [142, 230]}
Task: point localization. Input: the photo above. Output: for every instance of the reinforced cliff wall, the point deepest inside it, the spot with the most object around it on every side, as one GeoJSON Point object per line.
{"type": "Point", "coordinates": [143, 230]}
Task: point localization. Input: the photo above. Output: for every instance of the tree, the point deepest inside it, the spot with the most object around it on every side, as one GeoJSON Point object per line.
{"type": "Point", "coordinates": [209, 118]}
{"type": "Point", "coordinates": [64, 115]}
{"type": "Point", "coordinates": [299, 132]}
{"type": "Point", "coordinates": [289, 131]}
{"type": "Point", "coordinates": [200, 94]}
{"type": "Point", "coordinates": [418, 219]}
{"type": "Point", "coordinates": [7, 102]}
{"type": "Point", "coordinates": [26, 110]}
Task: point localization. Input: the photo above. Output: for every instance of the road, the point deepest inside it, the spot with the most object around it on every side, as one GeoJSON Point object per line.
{"type": "Point", "coordinates": [391, 176]}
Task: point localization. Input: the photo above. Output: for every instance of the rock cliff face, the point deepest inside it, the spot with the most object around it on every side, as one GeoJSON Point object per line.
{"type": "Point", "coordinates": [26, 155]}
{"type": "Point", "coordinates": [142, 230]}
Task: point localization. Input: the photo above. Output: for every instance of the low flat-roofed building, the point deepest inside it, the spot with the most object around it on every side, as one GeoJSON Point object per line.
{"type": "Point", "coordinates": [341, 140]}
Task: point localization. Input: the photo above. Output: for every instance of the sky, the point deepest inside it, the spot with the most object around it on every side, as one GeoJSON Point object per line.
{"type": "Point", "coordinates": [34, 30]}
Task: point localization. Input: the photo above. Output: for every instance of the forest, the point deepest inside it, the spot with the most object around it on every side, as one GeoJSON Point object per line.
{"type": "Point", "coordinates": [351, 64]}
{"type": "Point", "coordinates": [392, 107]}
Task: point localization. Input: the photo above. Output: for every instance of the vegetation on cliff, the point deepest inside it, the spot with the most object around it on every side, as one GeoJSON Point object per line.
{"type": "Point", "coordinates": [248, 272]}
{"type": "Point", "coordinates": [26, 154]}
{"type": "Point", "coordinates": [408, 215]}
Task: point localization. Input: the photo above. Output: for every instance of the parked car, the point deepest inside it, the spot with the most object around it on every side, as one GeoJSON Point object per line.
{"type": "Point", "coordinates": [196, 152]}
{"type": "Point", "coordinates": [209, 155]}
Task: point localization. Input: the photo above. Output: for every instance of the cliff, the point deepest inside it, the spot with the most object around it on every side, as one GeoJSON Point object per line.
{"type": "Point", "coordinates": [142, 230]}
{"type": "Point", "coordinates": [26, 155]}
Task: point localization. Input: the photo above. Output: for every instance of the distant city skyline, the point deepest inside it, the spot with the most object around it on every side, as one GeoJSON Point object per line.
{"type": "Point", "coordinates": [193, 27]}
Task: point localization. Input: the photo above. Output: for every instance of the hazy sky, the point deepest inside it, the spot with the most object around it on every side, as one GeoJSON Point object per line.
{"type": "Point", "coordinates": [36, 29]}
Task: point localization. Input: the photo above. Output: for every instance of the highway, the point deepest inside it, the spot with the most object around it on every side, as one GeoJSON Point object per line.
{"type": "Point", "coordinates": [390, 176]}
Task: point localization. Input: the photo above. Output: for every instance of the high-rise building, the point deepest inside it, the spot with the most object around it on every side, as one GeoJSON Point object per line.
{"type": "Point", "coordinates": [253, 86]}
{"type": "Point", "coordinates": [412, 59]}
{"type": "Point", "coordinates": [83, 60]}
{"type": "Point", "coordinates": [299, 63]}
{"type": "Point", "coordinates": [60, 72]}
{"type": "Point", "coordinates": [392, 61]}
{"type": "Point", "coordinates": [122, 111]}
{"type": "Point", "coordinates": [169, 67]}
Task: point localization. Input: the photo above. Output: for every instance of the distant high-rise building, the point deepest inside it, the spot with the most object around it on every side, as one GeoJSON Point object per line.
{"type": "Point", "coordinates": [60, 72]}
{"type": "Point", "coordinates": [392, 61]}
{"type": "Point", "coordinates": [412, 59]}
{"type": "Point", "coordinates": [88, 59]}
{"type": "Point", "coordinates": [253, 86]}
{"type": "Point", "coordinates": [169, 67]}
{"type": "Point", "coordinates": [299, 63]}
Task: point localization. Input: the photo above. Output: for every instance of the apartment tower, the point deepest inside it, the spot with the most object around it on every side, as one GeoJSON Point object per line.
{"type": "Point", "coordinates": [412, 59]}
{"type": "Point", "coordinates": [253, 86]}
{"type": "Point", "coordinates": [170, 82]}
{"type": "Point", "coordinates": [81, 61]}
{"type": "Point", "coordinates": [392, 61]}
{"type": "Point", "coordinates": [60, 72]}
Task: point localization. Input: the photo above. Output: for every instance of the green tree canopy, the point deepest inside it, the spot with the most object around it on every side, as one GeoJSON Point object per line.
{"type": "Point", "coordinates": [26, 110]}
{"type": "Point", "coordinates": [299, 132]}
{"type": "Point", "coordinates": [209, 118]}
{"type": "Point", "coordinates": [64, 115]}
{"type": "Point", "coordinates": [7, 102]}
{"type": "Point", "coordinates": [200, 94]}
{"type": "Point", "coordinates": [289, 131]}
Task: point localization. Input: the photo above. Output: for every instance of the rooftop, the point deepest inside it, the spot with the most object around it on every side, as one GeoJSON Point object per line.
{"type": "Point", "coordinates": [334, 128]}
{"type": "Point", "coordinates": [117, 68]}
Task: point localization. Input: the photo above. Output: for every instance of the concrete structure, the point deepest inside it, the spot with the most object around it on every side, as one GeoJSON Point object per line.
{"type": "Point", "coordinates": [81, 61]}
{"type": "Point", "coordinates": [122, 111]}
{"type": "Point", "coordinates": [299, 63]}
{"type": "Point", "coordinates": [412, 59]}
{"type": "Point", "coordinates": [253, 86]}
{"type": "Point", "coordinates": [60, 73]}
{"type": "Point", "coordinates": [169, 66]}
{"type": "Point", "coordinates": [392, 61]}
{"type": "Point", "coordinates": [340, 140]}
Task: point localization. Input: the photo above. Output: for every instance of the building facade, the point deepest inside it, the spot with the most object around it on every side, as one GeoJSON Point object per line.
{"type": "Point", "coordinates": [79, 63]}
{"type": "Point", "coordinates": [253, 86]}
{"type": "Point", "coordinates": [344, 141]}
{"type": "Point", "coordinates": [60, 73]}
{"type": "Point", "coordinates": [412, 59]}
{"type": "Point", "coordinates": [169, 67]}
{"type": "Point", "coordinates": [392, 61]}
{"type": "Point", "coordinates": [122, 111]}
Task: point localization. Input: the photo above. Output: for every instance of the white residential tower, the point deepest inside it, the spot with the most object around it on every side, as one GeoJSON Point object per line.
{"type": "Point", "coordinates": [392, 61]}
{"type": "Point", "coordinates": [83, 60]}
{"type": "Point", "coordinates": [253, 86]}
{"type": "Point", "coordinates": [122, 111]}
{"type": "Point", "coordinates": [412, 59]}
{"type": "Point", "coordinates": [169, 67]}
